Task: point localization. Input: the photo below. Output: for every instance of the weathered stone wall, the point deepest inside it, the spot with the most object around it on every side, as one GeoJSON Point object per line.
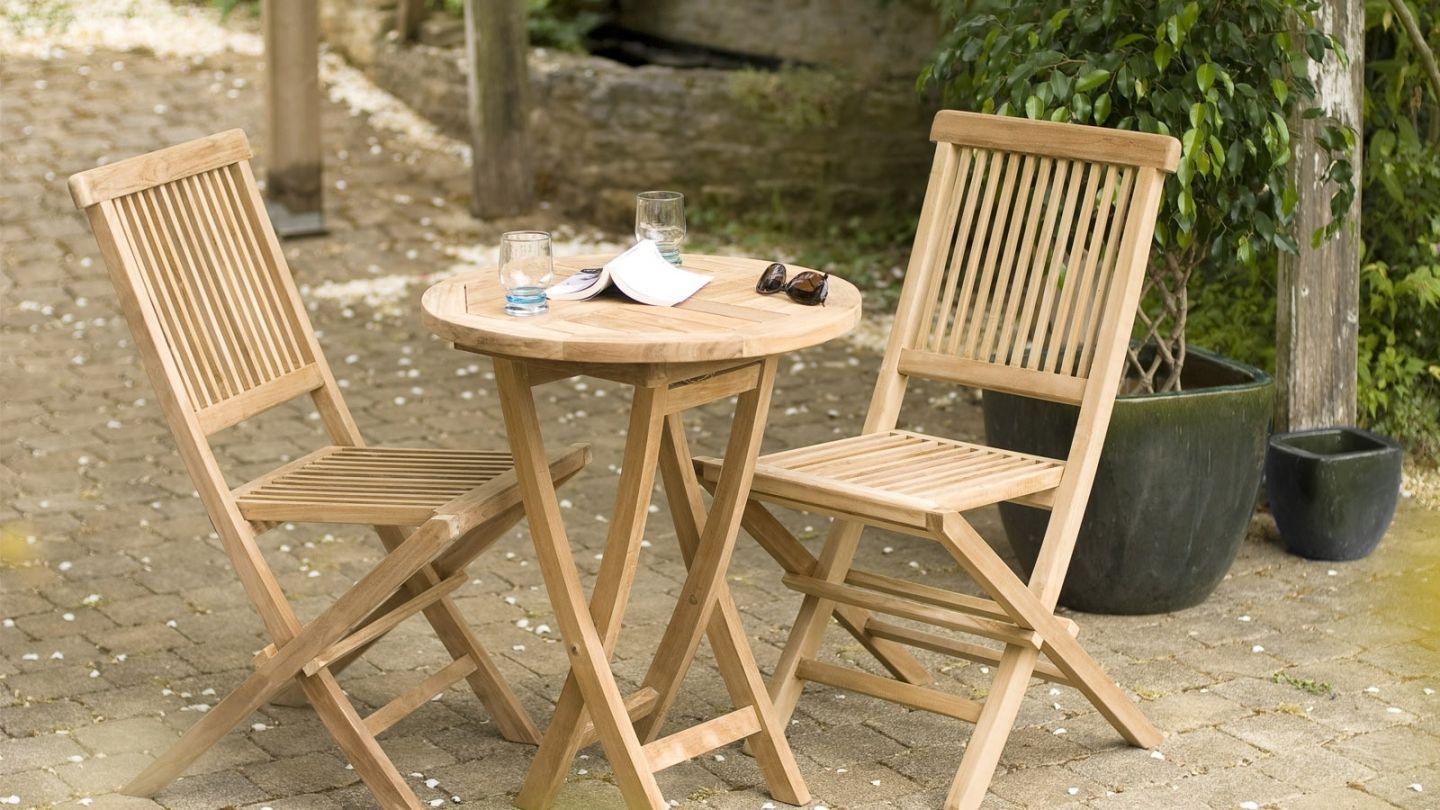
{"type": "Point", "coordinates": [603, 130]}
{"type": "Point", "coordinates": [871, 37]}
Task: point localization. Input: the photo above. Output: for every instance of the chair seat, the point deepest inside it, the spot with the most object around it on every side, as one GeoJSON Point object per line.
{"type": "Point", "coordinates": [897, 476]}
{"type": "Point", "coordinates": [386, 486]}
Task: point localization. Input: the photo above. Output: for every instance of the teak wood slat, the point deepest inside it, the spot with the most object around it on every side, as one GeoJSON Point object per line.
{"type": "Point", "coordinates": [698, 739]}
{"type": "Point", "coordinates": [1024, 278]}
{"type": "Point", "coordinates": [223, 335]}
{"type": "Point", "coordinates": [418, 695]}
{"type": "Point", "coordinates": [917, 697]}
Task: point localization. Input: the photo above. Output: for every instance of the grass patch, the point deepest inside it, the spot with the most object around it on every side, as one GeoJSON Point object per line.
{"type": "Point", "coordinates": [1306, 685]}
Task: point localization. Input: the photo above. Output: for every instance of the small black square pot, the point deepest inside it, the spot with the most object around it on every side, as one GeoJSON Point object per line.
{"type": "Point", "coordinates": [1332, 490]}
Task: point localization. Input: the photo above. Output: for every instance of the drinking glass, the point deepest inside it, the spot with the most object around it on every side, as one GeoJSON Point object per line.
{"type": "Point", "coordinates": [526, 268]}
{"type": "Point", "coordinates": [660, 215]}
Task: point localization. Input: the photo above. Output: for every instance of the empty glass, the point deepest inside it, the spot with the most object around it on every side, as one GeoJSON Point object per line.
{"type": "Point", "coordinates": [660, 215]}
{"type": "Point", "coordinates": [526, 269]}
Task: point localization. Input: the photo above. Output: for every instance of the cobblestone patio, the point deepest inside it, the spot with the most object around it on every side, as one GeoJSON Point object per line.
{"type": "Point", "coordinates": [1298, 685]}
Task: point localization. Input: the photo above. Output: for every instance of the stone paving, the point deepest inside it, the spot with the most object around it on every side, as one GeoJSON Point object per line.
{"type": "Point", "coordinates": [1298, 685]}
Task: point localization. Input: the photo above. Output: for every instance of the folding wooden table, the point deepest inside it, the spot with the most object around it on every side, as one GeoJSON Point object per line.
{"type": "Point", "coordinates": [725, 341]}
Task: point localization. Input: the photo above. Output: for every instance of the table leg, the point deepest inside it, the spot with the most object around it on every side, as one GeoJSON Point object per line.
{"type": "Point", "coordinates": [589, 658]}
{"type": "Point", "coordinates": [611, 594]}
{"type": "Point", "coordinates": [705, 604]}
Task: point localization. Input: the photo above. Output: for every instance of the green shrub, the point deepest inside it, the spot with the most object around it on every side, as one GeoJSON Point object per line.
{"type": "Point", "coordinates": [560, 24]}
{"type": "Point", "coordinates": [1225, 78]}
{"type": "Point", "coordinates": [1399, 342]}
{"type": "Point", "coordinates": [1400, 273]}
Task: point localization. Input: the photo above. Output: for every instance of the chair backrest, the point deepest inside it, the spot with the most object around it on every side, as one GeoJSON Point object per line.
{"type": "Point", "coordinates": [1025, 275]}
{"type": "Point", "coordinates": [215, 315]}
{"type": "Point", "coordinates": [1029, 254]}
{"type": "Point", "coordinates": [193, 254]}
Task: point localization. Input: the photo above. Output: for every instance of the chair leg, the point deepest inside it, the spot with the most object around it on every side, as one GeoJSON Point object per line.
{"type": "Point", "coordinates": [813, 619]}
{"type": "Point", "coordinates": [293, 696]}
{"type": "Point", "coordinates": [794, 558]}
{"type": "Point", "coordinates": [358, 744]}
{"type": "Point", "coordinates": [454, 632]}
{"type": "Point", "coordinates": [214, 724]}
{"type": "Point", "coordinates": [997, 717]}
{"type": "Point", "coordinates": [983, 565]}
{"type": "Point", "coordinates": [291, 656]}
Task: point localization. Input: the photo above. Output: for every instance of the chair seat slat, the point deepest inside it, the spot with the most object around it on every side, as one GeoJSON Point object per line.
{"type": "Point", "coordinates": [401, 481]}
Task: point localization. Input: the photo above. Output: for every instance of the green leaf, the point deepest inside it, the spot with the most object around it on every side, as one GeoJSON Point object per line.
{"type": "Point", "coordinates": [1205, 77]}
{"type": "Point", "coordinates": [1382, 143]}
{"type": "Point", "coordinates": [1189, 15]}
{"type": "Point", "coordinates": [1091, 80]}
{"type": "Point", "coordinates": [1059, 85]}
{"type": "Point", "coordinates": [1186, 204]}
{"type": "Point", "coordinates": [1058, 19]}
{"type": "Point", "coordinates": [1282, 131]}
{"type": "Point", "coordinates": [1163, 53]}
{"type": "Point", "coordinates": [1217, 154]}
{"type": "Point", "coordinates": [1187, 141]}
{"type": "Point", "coordinates": [1281, 92]}
{"type": "Point", "coordinates": [1102, 108]}
{"type": "Point", "coordinates": [1034, 107]}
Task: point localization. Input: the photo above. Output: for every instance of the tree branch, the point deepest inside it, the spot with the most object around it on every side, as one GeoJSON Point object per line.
{"type": "Point", "coordinates": [1417, 38]}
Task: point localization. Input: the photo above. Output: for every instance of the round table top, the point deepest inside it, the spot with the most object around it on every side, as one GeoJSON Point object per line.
{"type": "Point", "coordinates": [725, 320]}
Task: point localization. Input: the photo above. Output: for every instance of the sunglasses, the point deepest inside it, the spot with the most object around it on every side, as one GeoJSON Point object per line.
{"type": "Point", "coordinates": [807, 287]}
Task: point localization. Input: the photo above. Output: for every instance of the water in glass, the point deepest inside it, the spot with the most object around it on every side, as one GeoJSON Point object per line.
{"type": "Point", "coordinates": [660, 215]}
{"type": "Point", "coordinates": [526, 268]}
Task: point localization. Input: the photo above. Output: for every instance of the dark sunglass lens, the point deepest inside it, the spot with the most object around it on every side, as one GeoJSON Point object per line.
{"type": "Point", "coordinates": [809, 288]}
{"type": "Point", "coordinates": [772, 280]}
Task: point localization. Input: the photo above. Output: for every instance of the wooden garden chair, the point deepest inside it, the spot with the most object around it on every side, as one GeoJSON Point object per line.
{"type": "Point", "coordinates": [1025, 275]}
{"type": "Point", "coordinates": [224, 336]}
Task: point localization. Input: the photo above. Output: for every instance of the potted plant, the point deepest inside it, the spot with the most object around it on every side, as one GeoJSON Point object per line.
{"type": "Point", "coordinates": [1332, 490]}
{"type": "Point", "coordinates": [1181, 467]}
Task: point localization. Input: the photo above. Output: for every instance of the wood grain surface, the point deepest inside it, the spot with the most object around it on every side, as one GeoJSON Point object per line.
{"type": "Point", "coordinates": [726, 320]}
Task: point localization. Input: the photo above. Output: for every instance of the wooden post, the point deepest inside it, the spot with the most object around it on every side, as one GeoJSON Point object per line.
{"type": "Point", "coordinates": [1318, 291]}
{"type": "Point", "coordinates": [497, 43]}
{"type": "Point", "coordinates": [293, 182]}
{"type": "Point", "coordinates": [408, 16]}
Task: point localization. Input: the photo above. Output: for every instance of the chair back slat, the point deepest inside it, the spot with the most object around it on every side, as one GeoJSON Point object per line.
{"type": "Point", "coordinates": [195, 244]}
{"type": "Point", "coordinates": [225, 315]}
{"type": "Point", "coordinates": [1021, 247]}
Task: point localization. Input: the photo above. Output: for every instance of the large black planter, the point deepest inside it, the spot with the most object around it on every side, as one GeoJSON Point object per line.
{"type": "Point", "coordinates": [1332, 491]}
{"type": "Point", "coordinates": [1173, 494]}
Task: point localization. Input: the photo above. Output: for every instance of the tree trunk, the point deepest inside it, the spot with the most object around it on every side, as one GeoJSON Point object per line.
{"type": "Point", "coordinates": [1318, 289]}
{"type": "Point", "coordinates": [408, 16]}
{"type": "Point", "coordinates": [497, 43]}
{"type": "Point", "coordinates": [293, 180]}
